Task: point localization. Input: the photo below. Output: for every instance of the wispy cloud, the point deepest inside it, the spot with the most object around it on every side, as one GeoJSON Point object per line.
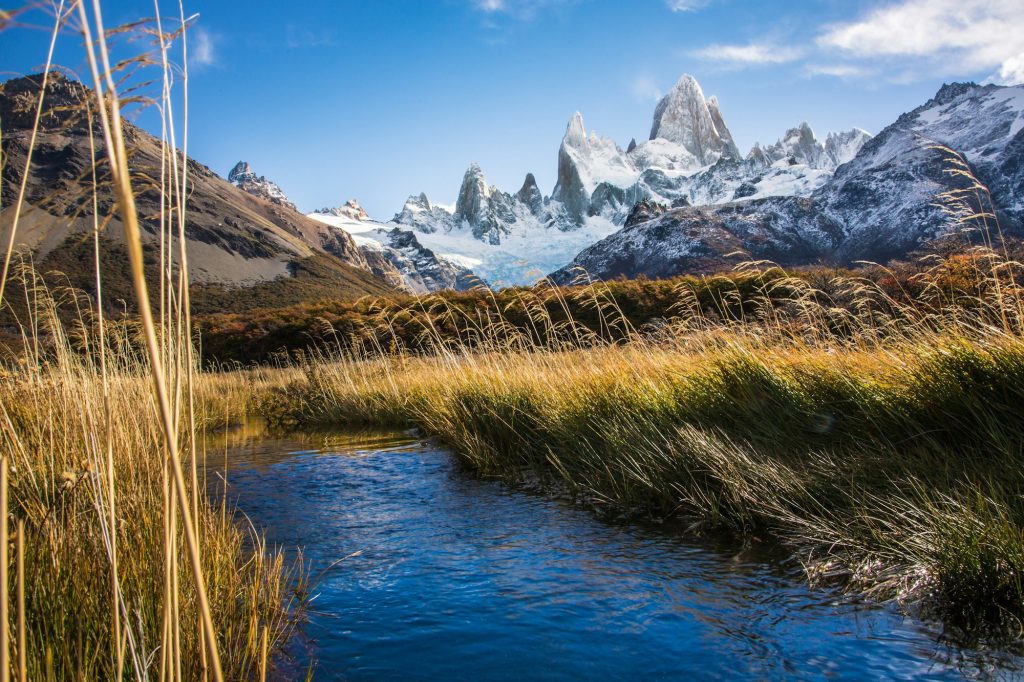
{"type": "Point", "coordinates": [940, 35]}
{"type": "Point", "coordinates": [298, 36]}
{"type": "Point", "coordinates": [202, 48]}
{"type": "Point", "coordinates": [843, 71]}
{"type": "Point", "coordinates": [644, 88]}
{"type": "Point", "coordinates": [751, 54]}
{"type": "Point", "coordinates": [519, 9]}
{"type": "Point", "coordinates": [687, 5]}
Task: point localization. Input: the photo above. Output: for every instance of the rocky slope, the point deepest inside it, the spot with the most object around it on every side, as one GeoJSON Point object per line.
{"type": "Point", "coordinates": [690, 158]}
{"type": "Point", "coordinates": [881, 204]}
{"type": "Point", "coordinates": [234, 239]}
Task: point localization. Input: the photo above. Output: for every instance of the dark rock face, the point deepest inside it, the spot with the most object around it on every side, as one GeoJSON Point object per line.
{"type": "Point", "coordinates": [644, 210]}
{"type": "Point", "coordinates": [706, 239]}
{"type": "Point", "coordinates": [530, 195]}
{"type": "Point", "coordinates": [608, 198]}
{"type": "Point", "coordinates": [747, 189]}
{"type": "Point", "coordinates": [880, 205]}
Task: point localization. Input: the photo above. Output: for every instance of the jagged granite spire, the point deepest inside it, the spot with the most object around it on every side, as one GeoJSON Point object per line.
{"type": "Point", "coordinates": [530, 195]}
{"type": "Point", "coordinates": [683, 116]}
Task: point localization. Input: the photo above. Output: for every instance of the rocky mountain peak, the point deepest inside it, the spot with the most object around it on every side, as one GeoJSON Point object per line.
{"type": "Point", "coordinates": [62, 105]}
{"type": "Point", "coordinates": [730, 149]}
{"type": "Point", "coordinates": [473, 195]}
{"type": "Point", "coordinates": [801, 145]}
{"type": "Point", "coordinates": [797, 145]}
{"type": "Point", "coordinates": [244, 178]}
{"type": "Point", "coordinates": [950, 91]}
{"type": "Point", "coordinates": [483, 208]}
{"type": "Point", "coordinates": [684, 117]}
{"type": "Point", "coordinates": [842, 147]}
{"type": "Point", "coordinates": [530, 195]}
{"type": "Point", "coordinates": [575, 134]}
{"type": "Point", "coordinates": [241, 170]}
{"type": "Point", "coordinates": [350, 209]}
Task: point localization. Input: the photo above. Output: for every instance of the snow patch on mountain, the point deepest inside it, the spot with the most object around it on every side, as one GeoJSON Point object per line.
{"type": "Point", "coordinates": [350, 209]}
{"type": "Point", "coordinates": [398, 256]}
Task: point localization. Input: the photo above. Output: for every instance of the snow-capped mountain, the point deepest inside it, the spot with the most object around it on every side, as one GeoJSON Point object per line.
{"type": "Point", "coordinates": [395, 254]}
{"type": "Point", "coordinates": [350, 209]}
{"type": "Point", "coordinates": [243, 177]}
{"type": "Point", "coordinates": [690, 158]}
{"type": "Point", "coordinates": [878, 205]}
{"type": "Point", "coordinates": [686, 119]}
{"type": "Point", "coordinates": [391, 253]}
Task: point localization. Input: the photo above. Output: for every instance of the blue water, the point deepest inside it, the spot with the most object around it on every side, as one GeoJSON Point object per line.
{"type": "Point", "coordinates": [455, 578]}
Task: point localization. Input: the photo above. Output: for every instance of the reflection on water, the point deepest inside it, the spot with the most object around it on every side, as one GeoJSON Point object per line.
{"type": "Point", "coordinates": [459, 578]}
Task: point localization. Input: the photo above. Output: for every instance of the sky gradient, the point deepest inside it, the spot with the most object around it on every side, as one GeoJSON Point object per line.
{"type": "Point", "coordinates": [380, 99]}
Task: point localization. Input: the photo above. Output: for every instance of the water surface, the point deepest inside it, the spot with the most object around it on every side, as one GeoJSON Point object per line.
{"type": "Point", "coordinates": [452, 577]}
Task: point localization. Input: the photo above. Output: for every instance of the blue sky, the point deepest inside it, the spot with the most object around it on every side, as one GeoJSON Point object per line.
{"type": "Point", "coordinates": [380, 99]}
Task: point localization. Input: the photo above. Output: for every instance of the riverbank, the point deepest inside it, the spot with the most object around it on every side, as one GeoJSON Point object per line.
{"type": "Point", "coordinates": [893, 467]}
{"type": "Point", "coordinates": [103, 577]}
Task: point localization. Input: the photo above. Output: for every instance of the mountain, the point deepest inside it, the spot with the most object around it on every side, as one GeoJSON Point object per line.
{"type": "Point", "coordinates": [242, 177]}
{"type": "Point", "coordinates": [689, 159]}
{"type": "Point", "coordinates": [880, 204]}
{"type": "Point", "coordinates": [350, 209]}
{"type": "Point", "coordinates": [685, 118]}
{"type": "Point", "coordinates": [395, 254]}
{"type": "Point", "coordinates": [235, 240]}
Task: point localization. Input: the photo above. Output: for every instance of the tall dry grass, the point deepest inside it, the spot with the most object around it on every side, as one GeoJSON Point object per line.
{"type": "Point", "coordinates": [121, 565]}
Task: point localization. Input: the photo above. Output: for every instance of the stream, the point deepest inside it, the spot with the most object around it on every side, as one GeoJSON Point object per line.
{"type": "Point", "coordinates": [426, 572]}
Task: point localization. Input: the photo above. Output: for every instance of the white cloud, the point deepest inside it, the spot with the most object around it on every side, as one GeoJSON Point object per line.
{"type": "Point", "coordinates": [202, 48]}
{"type": "Point", "coordinates": [518, 9]}
{"type": "Point", "coordinates": [838, 70]}
{"type": "Point", "coordinates": [686, 5]}
{"type": "Point", "coordinates": [951, 35]}
{"type": "Point", "coordinates": [644, 88]}
{"type": "Point", "coordinates": [747, 55]}
{"type": "Point", "coordinates": [1011, 71]}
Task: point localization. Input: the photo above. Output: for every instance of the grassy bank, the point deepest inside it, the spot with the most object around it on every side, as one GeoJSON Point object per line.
{"type": "Point", "coordinates": [889, 456]}
{"type": "Point", "coordinates": [547, 316]}
{"type": "Point", "coordinates": [89, 493]}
